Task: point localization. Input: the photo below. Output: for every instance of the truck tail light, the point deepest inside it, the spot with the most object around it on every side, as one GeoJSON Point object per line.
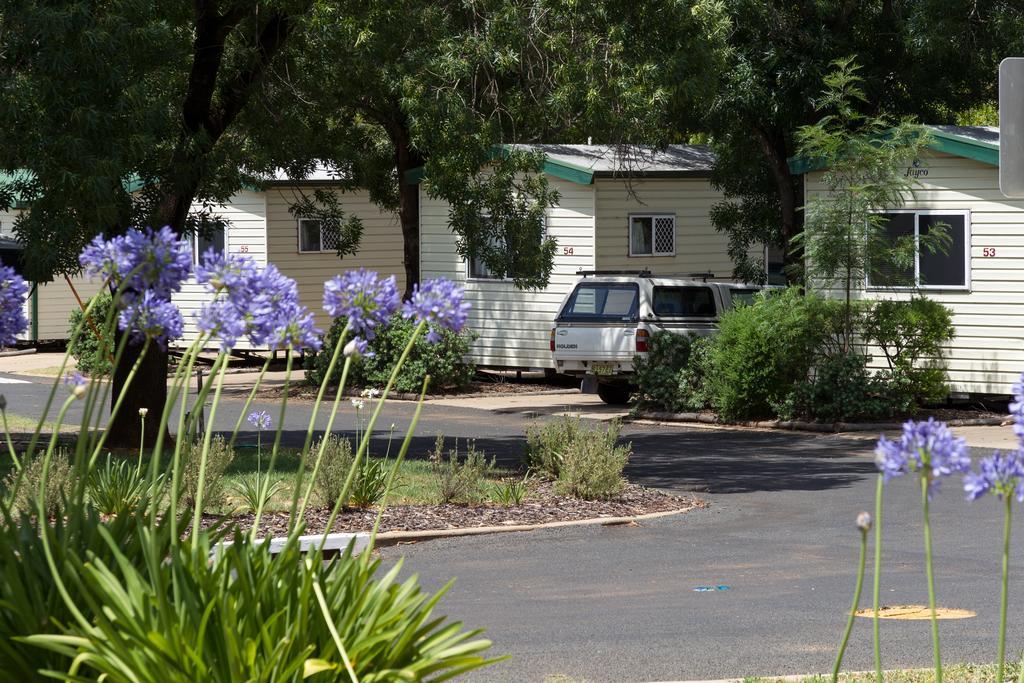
{"type": "Point", "coordinates": [642, 337]}
{"type": "Point", "coordinates": [552, 339]}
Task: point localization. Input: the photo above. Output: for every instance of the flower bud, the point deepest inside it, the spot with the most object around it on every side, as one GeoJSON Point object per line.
{"type": "Point", "coordinates": [78, 391]}
{"type": "Point", "coordinates": [864, 521]}
{"type": "Point", "coordinates": [352, 349]}
{"type": "Point", "coordinates": [143, 412]}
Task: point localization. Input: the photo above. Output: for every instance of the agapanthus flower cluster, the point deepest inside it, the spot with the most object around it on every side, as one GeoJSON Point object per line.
{"type": "Point", "coordinates": [259, 419]}
{"type": "Point", "coordinates": [13, 290]}
{"type": "Point", "coordinates": [254, 301]}
{"type": "Point", "coordinates": [926, 447]}
{"type": "Point", "coordinates": [1000, 473]}
{"type": "Point", "coordinates": [365, 299]}
{"type": "Point", "coordinates": [76, 383]}
{"type": "Point", "coordinates": [151, 317]}
{"type": "Point", "coordinates": [149, 266]}
{"type": "Point", "coordinates": [439, 303]}
{"type": "Point", "coordinates": [143, 260]}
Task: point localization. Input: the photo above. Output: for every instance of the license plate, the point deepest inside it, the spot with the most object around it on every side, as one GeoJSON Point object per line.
{"type": "Point", "coordinates": [602, 368]}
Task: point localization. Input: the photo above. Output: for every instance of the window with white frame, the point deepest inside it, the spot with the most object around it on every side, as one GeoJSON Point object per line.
{"type": "Point", "coordinates": [948, 268]}
{"type": "Point", "coordinates": [652, 234]}
{"type": "Point", "coordinates": [213, 238]}
{"type": "Point", "coordinates": [313, 238]}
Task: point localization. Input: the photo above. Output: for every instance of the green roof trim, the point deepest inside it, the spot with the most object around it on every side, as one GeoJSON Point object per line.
{"type": "Point", "coordinates": [943, 141]}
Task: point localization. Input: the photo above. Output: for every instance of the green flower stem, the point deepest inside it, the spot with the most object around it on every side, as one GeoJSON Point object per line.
{"type": "Point", "coordinates": [10, 443]}
{"type": "Point", "coordinates": [277, 440]}
{"type": "Point", "coordinates": [329, 620]}
{"type": "Point", "coordinates": [303, 457]}
{"type": "Point", "coordinates": [323, 447]}
{"type": "Point", "coordinates": [856, 603]}
{"type": "Point", "coordinates": [876, 640]}
{"type": "Point", "coordinates": [931, 579]}
{"type": "Point", "coordinates": [142, 446]}
{"type": "Point", "coordinates": [398, 463]}
{"type": "Point", "coordinates": [197, 514]}
{"type": "Point", "coordinates": [179, 385]}
{"type": "Point", "coordinates": [117, 403]}
{"type": "Point", "coordinates": [365, 443]}
{"type": "Point", "coordinates": [1006, 586]}
{"type": "Point", "coordinates": [248, 401]}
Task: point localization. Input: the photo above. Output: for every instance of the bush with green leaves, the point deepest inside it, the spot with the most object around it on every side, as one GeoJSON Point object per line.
{"type": "Point", "coordinates": [911, 335]}
{"type": "Point", "coordinates": [692, 392]}
{"type": "Point", "coordinates": [256, 491]}
{"type": "Point", "coordinates": [546, 443]}
{"type": "Point", "coordinates": [334, 468]}
{"type": "Point", "coordinates": [91, 348]}
{"type": "Point", "coordinates": [841, 388]}
{"type": "Point", "coordinates": [459, 481]}
{"type": "Point", "coordinates": [762, 351]}
{"type": "Point", "coordinates": [21, 489]}
{"type": "Point", "coordinates": [118, 486]}
{"type": "Point", "coordinates": [219, 456]}
{"type": "Point", "coordinates": [446, 362]}
{"type": "Point", "coordinates": [592, 464]}
{"type": "Point", "coordinates": [657, 375]}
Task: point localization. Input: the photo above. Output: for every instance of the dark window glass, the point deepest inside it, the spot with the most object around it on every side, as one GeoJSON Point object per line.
{"type": "Point", "coordinates": [206, 240]}
{"type": "Point", "coordinates": [309, 235]}
{"type": "Point", "coordinates": [694, 302]}
{"type": "Point", "coordinates": [938, 269]}
{"type": "Point", "coordinates": [602, 302]}
{"type": "Point", "coordinates": [742, 297]}
{"type": "Point", "coordinates": [887, 274]}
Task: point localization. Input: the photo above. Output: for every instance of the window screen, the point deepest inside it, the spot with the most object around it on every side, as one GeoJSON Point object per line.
{"type": "Point", "coordinates": [602, 302]}
{"type": "Point", "coordinates": [883, 273]}
{"type": "Point", "coordinates": [939, 269]}
{"type": "Point", "coordinates": [653, 235]}
{"type": "Point", "coordinates": [697, 302]}
{"type": "Point", "coordinates": [309, 235]}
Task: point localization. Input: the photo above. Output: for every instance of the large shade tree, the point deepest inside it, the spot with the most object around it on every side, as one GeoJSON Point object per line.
{"type": "Point", "coordinates": [129, 112]}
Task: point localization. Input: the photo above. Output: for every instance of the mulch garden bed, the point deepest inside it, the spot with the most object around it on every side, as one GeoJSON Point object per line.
{"type": "Point", "coordinates": [301, 391]}
{"type": "Point", "coordinates": [542, 507]}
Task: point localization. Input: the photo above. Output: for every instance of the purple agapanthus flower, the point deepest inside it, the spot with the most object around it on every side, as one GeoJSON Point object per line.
{"type": "Point", "coordinates": [277, 319]}
{"type": "Point", "coordinates": [926, 447]}
{"type": "Point", "coordinates": [438, 303]}
{"type": "Point", "coordinates": [260, 419]}
{"type": "Point", "coordinates": [151, 317]}
{"type": "Point", "coordinates": [1000, 473]}
{"type": "Point", "coordinates": [13, 290]}
{"type": "Point", "coordinates": [75, 379]}
{"type": "Point", "coordinates": [364, 298]}
{"type": "Point", "coordinates": [357, 347]}
{"type": "Point", "coordinates": [143, 260]}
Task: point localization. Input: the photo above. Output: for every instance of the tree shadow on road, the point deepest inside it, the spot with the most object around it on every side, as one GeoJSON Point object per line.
{"type": "Point", "coordinates": [718, 461]}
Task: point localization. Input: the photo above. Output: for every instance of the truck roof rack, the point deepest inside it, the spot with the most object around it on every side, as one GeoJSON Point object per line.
{"type": "Point", "coordinates": [705, 276]}
{"type": "Point", "coordinates": [635, 273]}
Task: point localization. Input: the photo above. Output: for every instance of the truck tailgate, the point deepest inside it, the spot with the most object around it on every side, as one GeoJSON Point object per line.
{"type": "Point", "coordinates": [600, 342]}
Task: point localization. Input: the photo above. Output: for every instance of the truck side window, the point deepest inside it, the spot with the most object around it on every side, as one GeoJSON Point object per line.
{"type": "Point", "coordinates": [684, 302]}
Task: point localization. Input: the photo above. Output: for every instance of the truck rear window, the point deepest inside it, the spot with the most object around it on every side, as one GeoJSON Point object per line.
{"type": "Point", "coordinates": [602, 302]}
{"type": "Point", "coordinates": [742, 297]}
{"type": "Point", "coordinates": [684, 302]}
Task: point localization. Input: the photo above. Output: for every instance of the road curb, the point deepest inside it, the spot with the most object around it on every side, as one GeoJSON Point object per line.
{"type": "Point", "coordinates": [802, 426]}
{"type": "Point", "coordinates": [17, 352]}
{"type": "Point", "coordinates": [390, 538]}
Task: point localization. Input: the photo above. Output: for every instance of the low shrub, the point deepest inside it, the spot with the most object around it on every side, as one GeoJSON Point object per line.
{"type": "Point", "coordinates": [117, 487]}
{"type": "Point", "coordinates": [546, 443]}
{"type": "Point", "coordinates": [370, 483]}
{"type": "Point", "coordinates": [910, 335]}
{"type": "Point", "coordinates": [692, 380]}
{"type": "Point", "coordinates": [512, 492]}
{"type": "Point", "coordinates": [764, 350]}
{"type": "Point", "coordinates": [256, 490]}
{"type": "Point", "coordinates": [22, 495]}
{"type": "Point", "coordinates": [657, 375]}
{"type": "Point", "coordinates": [445, 361]}
{"type": "Point", "coordinates": [334, 468]}
{"type": "Point", "coordinates": [459, 481]}
{"type": "Point", "coordinates": [592, 464]}
{"type": "Point", "coordinates": [841, 388]}
{"type": "Point", "coordinates": [219, 458]}
{"type": "Point", "coordinates": [92, 349]}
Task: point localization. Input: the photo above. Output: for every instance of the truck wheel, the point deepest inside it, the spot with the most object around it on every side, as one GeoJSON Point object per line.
{"type": "Point", "coordinates": [613, 394]}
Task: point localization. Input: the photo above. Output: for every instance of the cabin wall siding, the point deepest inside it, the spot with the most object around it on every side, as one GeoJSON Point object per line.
{"type": "Point", "coordinates": [381, 247]}
{"type": "Point", "coordinates": [513, 325]}
{"type": "Point", "coordinates": [987, 355]}
{"type": "Point", "coordinates": [699, 248]}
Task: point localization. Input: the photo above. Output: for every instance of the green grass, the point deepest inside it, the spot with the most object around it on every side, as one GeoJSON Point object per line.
{"type": "Point", "coordinates": [955, 673]}
{"type": "Point", "coordinates": [19, 424]}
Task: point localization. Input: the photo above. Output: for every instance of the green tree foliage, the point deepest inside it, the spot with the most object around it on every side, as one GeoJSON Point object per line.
{"type": "Point", "coordinates": [93, 352]}
{"type": "Point", "coordinates": [864, 159]}
{"type": "Point", "coordinates": [929, 59]}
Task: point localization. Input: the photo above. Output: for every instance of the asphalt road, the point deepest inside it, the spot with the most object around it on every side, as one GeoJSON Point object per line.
{"type": "Point", "coordinates": [619, 603]}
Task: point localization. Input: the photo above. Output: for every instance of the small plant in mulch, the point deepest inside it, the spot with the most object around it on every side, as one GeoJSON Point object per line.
{"type": "Point", "coordinates": [584, 462]}
{"type": "Point", "coordinates": [460, 481]}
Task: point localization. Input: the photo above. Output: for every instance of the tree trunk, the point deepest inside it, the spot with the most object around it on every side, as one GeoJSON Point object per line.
{"type": "Point", "coordinates": [407, 159]}
{"type": "Point", "coordinates": [786, 186]}
{"type": "Point", "coordinates": [148, 390]}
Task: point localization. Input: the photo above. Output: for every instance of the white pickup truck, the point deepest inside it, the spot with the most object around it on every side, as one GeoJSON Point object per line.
{"type": "Point", "coordinates": [609, 318]}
